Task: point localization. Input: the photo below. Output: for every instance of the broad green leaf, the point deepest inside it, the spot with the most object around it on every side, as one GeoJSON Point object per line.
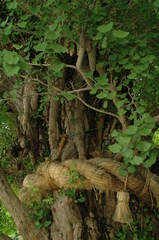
{"type": "Point", "coordinates": [111, 95]}
{"type": "Point", "coordinates": [123, 61]}
{"type": "Point", "coordinates": [51, 35]}
{"type": "Point", "coordinates": [114, 133]}
{"type": "Point", "coordinates": [11, 57]}
{"type": "Point", "coordinates": [131, 169]}
{"type": "Point", "coordinates": [140, 109]}
{"type": "Point", "coordinates": [24, 65]}
{"type": "Point", "coordinates": [17, 47]}
{"type": "Point", "coordinates": [148, 163]}
{"type": "Point", "coordinates": [131, 130]}
{"type": "Point", "coordinates": [25, 16]}
{"type": "Point", "coordinates": [12, 5]}
{"type": "Point", "coordinates": [5, 95]}
{"type": "Point", "coordinates": [104, 42]}
{"type": "Point", "coordinates": [123, 139]}
{"type": "Point", "coordinates": [22, 24]}
{"type": "Point", "coordinates": [149, 119]}
{"type": "Point", "coordinates": [143, 146]}
{"type": "Point", "coordinates": [40, 47]}
{"type": "Point", "coordinates": [156, 3]}
{"type": "Point", "coordinates": [58, 48]}
{"type": "Point", "coordinates": [97, 17]}
{"type": "Point", "coordinates": [8, 29]}
{"type": "Point", "coordinates": [105, 28]}
{"type": "Point", "coordinates": [145, 132]}
{"type": "Point", "coordinates": [115, 148]}
{"type": "Point", "coordinates": [88, 74]}
{"type": "Point", "coordinates": [123, 172]}
{"type": "Point", "coordinates": [131, 75]}
{"type": "Point", "coordinates": [102, 95]}
{"type": "Point", "coordinates": [98, 36]}
{"type": "Point", "coordinates": [4, 22]}
{"type": "Point", "coordinates": [128, 153]}
{"type": "Point", "coordinates": [120, 103]}
{"type": "Point", "coordinates": [48, 3]}
{"type": "Point", "coordinates": [121, 112]}
{"type": "Point", "coordinates": [56, 98]}
{"type": "Point", "coordinates": [34, 9]}
{"type": "Point", "coordinates": [105, 104]}
{"type": "Point", "coordinates": [10, 69]}
{"type": "Point", "coordinates": [128, 66]}
{"type": "Point", "coordinates": [120, 34]}
{"type": "Point", "coordinates": [94, 91]}
{"type": "Point", "coordinates": [68, 96]}
{"type": "Point", "coordinates": [137, 160]}
{"type": "Point", "coordinates": [46, 223]}
{"type": "Point", "coordinates": [57, 67]}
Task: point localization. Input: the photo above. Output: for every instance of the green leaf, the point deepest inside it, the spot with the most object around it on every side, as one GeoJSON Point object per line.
{"type": "Point", "coordinates": [141, 109]}
{"type": "Point", "coordinates": [137, 160]}
{"type": "Point", "coordinates": [17, 47]}
{"type": "Point", "coordinates": [104, 42]}
{"type": "Point", "coordinates": [98, 36]}
{"type": "Point", "coordinates": [40, 47]}
{"type": "Point", "coordinates": [12, 5]}
{"type": "Point", "coordinates": [143, 146]}
{"type": "Point", "coordinates": [128, 66]}
{"type": "Point", "coordinates": [145, 132]}
{"type": "Point", "coordinates": [51, 35]}
{"type": "Point", "coordinates": [22, 24]}
{"type": "Point", "coordinates": [24, 66]}
{"type": "Point", "coordinates": [94, 90]}
{"type": "Point", "coordinates": [121, 112]}
{"type": "Point", "coordinates": [102, 95]}
{"type": "Point", "coordinates": [4, 22]}
{"type": "Point", "coordinates": [10, 57]}
{"type": "Point", "coordinates": [128, 153]}
{"type": "Point", "coordinates": [123, 139]}
{"type": "Point", "coordinates": [105, 28]}
{"type": "Point", "coordinates": [123, 172]}
{"type": "Point", "coordinates": [120, 34]}
{"type": "Point", "coordinates": [156, 3]}
{"type": "Point", "coordinates": [131, 169]}
{"type": "Point", "coordinates": [68, 96]}
{"type": "Point", "coordinates": [111, 95]}
{"type": "Point", "coordinates": [8, 29]}
{"type": "Point", "coordinates": [46, 223]}
{"type": "Point", "coordinates": [115, 148]}
{"type": "Point", "coordinates": [120, 103]}
{"type": "Point", "coordinates": [10, 69]}
{"type": "Point", "coordinates": [148, 163]}
{"type": "Point", "coordinates": [57, 67]}
{"type": "Point", "coordinates": [123, 61]}
{"type": "Point", "coordinates": [131, 130]}
{"type": "Point", "coordinates": [131, 75]}
{"type": "Point", "coordinates": [34, 9]}
{"type": "Point", "coordinates": [5, 95]}
{"type": "Point", "coordinates": [88, 74]}
{"type": "Point", "coordinates": [105, 104]}
{"type": "Point", "coordinates": [114, 133]}
{"type": "Point", "coordinates": [25, 17]}
{"type": "Point", "coordinates": [58, 48]}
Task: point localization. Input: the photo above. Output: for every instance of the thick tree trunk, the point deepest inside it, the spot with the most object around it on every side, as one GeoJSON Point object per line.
{"type": "Point", "coordinates": [19, 212]}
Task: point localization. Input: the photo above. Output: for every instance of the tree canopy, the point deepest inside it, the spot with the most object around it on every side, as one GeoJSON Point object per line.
{"type": "Point", "coordinates": [87, 69]}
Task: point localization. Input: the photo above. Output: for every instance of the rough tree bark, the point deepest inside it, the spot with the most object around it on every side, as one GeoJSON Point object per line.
{"type": "Point", "coordinates": [19, 212]}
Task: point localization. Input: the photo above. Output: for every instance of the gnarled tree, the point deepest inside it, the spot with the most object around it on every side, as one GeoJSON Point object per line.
{"type": "Point", "coordinates": [87, 71]}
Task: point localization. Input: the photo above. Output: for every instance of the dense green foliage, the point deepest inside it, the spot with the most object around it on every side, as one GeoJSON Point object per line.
{"type": "Point", "coordinates": [39, 39]}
